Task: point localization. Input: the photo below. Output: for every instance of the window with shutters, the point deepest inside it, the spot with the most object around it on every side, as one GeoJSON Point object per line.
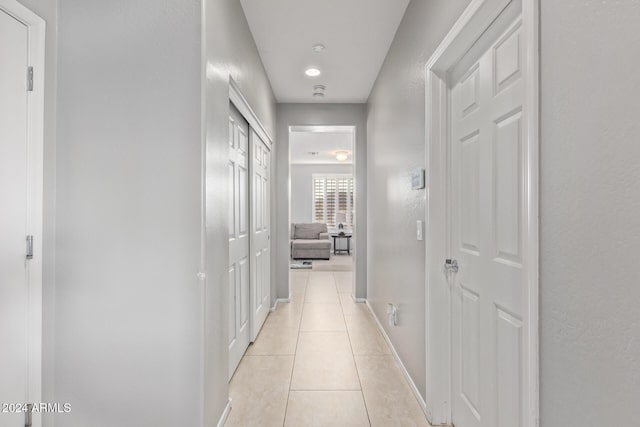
{"type": "Point", "coordinates": [333, 195]}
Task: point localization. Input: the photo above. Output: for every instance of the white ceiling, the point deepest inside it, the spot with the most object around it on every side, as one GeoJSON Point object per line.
{"type": "Point", "coordinates": [326, 143]}
{"type": "Point", "coordinates": [356, 33]}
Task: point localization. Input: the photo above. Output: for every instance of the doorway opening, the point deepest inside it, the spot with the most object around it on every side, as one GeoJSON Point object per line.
{"type": "Point", "coordinates": [322, 203]}
{"type": "Point", "coordinates": [482, 206]}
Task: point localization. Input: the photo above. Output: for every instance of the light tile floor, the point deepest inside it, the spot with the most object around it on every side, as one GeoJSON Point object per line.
{"type": "Point", "coordinates": [340, 262]}
{"type": "Point", "coordinates": [320, 361]}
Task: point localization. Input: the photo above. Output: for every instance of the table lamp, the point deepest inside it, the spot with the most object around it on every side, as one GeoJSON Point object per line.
{"type": "Point", "coordinates": [341, 218]}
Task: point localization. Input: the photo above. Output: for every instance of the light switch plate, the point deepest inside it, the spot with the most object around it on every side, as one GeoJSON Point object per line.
{"type": "Point", "coordinates": [419, 235]}
{"type": "Point", "coordinates": [417, 179]}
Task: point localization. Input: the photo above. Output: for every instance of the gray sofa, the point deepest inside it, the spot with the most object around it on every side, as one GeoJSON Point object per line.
{"type": "Point", "coordinates": [310, 241]}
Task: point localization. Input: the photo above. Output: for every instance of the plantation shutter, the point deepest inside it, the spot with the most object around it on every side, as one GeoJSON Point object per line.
{"type": "Point", "coordinates": [332, 194]}
{"type": "Point", "coordinates": [318, 200]}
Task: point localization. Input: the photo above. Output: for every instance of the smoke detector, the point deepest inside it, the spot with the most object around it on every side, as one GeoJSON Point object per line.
{"type": "Point", "coordinates": [318, 91]}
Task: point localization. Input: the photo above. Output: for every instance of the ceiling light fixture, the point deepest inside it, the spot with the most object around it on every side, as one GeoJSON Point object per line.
{"type": "Point", "coordinates": [318, 95]}
{"type": "Point", "coordinates": [312, 72]}
{"type": "Point", "coordinates": [341, 156]}
{"type": "Point", "coordinates": [317, 48]}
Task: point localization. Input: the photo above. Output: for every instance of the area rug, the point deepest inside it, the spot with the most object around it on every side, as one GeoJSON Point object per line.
{"type": "Point", "coordinates": [297, 265]}
{"type": "Point", "coordinates": [332, 267]}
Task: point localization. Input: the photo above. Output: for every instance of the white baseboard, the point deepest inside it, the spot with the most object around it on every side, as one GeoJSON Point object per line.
{"type": "Point", "coordinates": [412, 385]}
{"type": "Point", "coordinates": [279, 301]}
{"type": "Point", "coordinates": [225, 414]}
{"type": "Point", "coordinates": [364, 300]}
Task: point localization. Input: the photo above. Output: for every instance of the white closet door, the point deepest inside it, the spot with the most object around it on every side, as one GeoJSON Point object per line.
{"type": "Point", "coordinates": [486, 231]}
{"type": "Point", "coordinates": [239, 273]}
{"type": "Point", "coordinates": [261, 231]}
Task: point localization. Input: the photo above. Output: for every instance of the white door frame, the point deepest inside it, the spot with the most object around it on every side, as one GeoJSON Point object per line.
{"type": "Point", "coordinates": [473, 22]}
{"type": "Point", "coordinates": [240, 102]}
{"type": "Point", "coordinates": [35, 146]}
{"type": "Point", "coordinates": [354, 251]}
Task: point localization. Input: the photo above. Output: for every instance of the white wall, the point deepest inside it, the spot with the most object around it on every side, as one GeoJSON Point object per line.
{"type": "Point", "coordinates": [230, 51]}
{"type": "Point", "coordinates": [302, 188]}
{"type": "Point", "coordinates": [395, 146]}
{"type": "Point", "coordinates": [136, 134]}
{"type": "Point", "coordinates": [590, 205]}
{"type": "Point", "coordinates": [590, 198]}
{"type": "Point", "coordinates": [319, 114]}
{"type": "Point", "coordinates": [128, 304]}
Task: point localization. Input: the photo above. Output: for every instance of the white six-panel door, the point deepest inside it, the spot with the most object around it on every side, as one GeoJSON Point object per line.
{"type": "Point", "coordinates": [261, 231]}
{"type": "Point", "coordinates": [488, 204]}
{"type": "Point", "coordinates": [14, 278]}
{"type": "Point", "coordinates": [239, 262]}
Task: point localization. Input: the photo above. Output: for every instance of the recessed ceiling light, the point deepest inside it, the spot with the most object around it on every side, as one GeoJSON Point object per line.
{"type": "Point", "coordinates": [341, 156]}
{"type": "Point", "coordinates": [318, 95]}
{"type": "Point", "coordinates": [312, 72]}
{"type": "Point", "coordinates": [318, 48]}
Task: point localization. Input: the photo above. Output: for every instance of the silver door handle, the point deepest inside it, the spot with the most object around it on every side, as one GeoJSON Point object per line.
{"type": "Point", "coordinates": [29, 247]}
{"type": "Point", "coordinates": [451, 265]}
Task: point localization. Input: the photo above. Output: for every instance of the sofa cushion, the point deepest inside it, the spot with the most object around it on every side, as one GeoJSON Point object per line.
{"type": "Point", "coordinates": [311, 244]}
{"type": "Point", "coordinates": [309, 231]}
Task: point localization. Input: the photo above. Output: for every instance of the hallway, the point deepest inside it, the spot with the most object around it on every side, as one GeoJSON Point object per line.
{"type": "Point", "coordinates": [320, 360]}
{"type": "Point", "coordinates": [474, 162]}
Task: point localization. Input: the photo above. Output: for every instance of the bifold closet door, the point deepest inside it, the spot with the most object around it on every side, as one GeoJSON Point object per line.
{"type": "Point", "coordinates": [239, 236]}
{"type": "Point", "coordinates": [261, 231]}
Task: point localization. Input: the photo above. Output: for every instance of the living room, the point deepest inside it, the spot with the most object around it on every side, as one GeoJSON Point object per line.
{"type": "Point", "coordinates": [322, 206]}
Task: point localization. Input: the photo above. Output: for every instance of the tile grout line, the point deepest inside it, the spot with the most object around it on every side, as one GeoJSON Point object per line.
{"type": "Point", "coordinates": [366, 408]}
{"type": "Point", "coordinates": [295, 351]}
{"type": "Point", "coordinates": [322, 390]}
{"type": "Point", "coordinates": [363, 352]}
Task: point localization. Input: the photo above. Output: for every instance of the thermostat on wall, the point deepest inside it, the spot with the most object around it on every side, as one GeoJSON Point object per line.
{"type": "Point", "coordinates": [417, 179]}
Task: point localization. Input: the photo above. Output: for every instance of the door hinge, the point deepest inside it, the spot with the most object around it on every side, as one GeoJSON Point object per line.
{"type": "Point", "coordinates": [29, 247]}
{"type": "Point", "coordinates": [30, 79]}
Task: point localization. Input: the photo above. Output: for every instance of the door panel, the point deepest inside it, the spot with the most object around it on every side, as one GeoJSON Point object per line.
{"type": "Point", "coordinates": [508, 187]}
{"type": "Point", "coordinates": [470, 349]}
{"type": "Point", "coordinates": [232, 200]}
{"type": "Point", "coordinates": [469, 196]}
{"type": "Point", "coordinates": [242, 187]}
{"type": "Point", "coordinates": [487, 180]}
{"type": "Point", "coordinates": [14, 304]}
{"type": "Point", "coordinates": [232, 307]}
{"type": "Point", "coordinates": [244, 293]}
{"type": "Point", "coordinates": [261, 232]}
{"type": "Point", "coordinates": [239, 278]}
{"type": "Point", "coordinates": [509, 362]}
